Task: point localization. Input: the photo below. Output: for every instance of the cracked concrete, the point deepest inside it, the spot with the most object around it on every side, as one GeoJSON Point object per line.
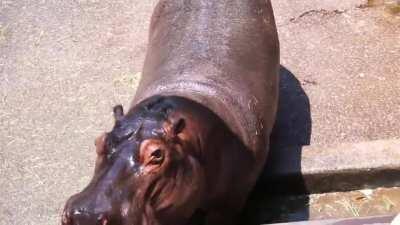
{"type": "Point", "coordinates": [64, 64]}
{"type": "Point", "coordinates": [321, 12]}
{"type": "Point", "coordinates": [345, 57]}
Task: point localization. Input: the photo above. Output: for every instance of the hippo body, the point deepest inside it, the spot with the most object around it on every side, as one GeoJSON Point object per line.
{"type": "Point", "coordinates": [223, 54]}
{"type": "Point", "coordinates": [193, 143]}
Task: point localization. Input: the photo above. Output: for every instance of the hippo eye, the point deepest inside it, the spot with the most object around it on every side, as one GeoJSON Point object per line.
{"type": "Point", "coordinates": [152, 153]}
{"type": "Point", "coordinates": [156, 156]}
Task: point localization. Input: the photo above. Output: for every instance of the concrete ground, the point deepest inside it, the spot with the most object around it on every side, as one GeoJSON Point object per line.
{"type": "Point", "coordinates": [64, 64]}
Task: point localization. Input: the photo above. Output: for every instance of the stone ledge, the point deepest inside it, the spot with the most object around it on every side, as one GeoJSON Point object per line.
{"type": "Point", "coordinates": [345, 167]}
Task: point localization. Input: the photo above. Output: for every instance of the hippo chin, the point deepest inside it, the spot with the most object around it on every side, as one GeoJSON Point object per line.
{"type": "Point", "coordinates": [191, 147]}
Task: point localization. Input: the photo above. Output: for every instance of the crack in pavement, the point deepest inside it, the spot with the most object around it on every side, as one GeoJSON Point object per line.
{"type": "Point", "coordinates": [324, 13]}
{"type": "Point", "coordinates": [321, 12]}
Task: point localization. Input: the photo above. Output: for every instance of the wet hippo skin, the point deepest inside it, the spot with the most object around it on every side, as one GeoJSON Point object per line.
{"type": "Point", "coordinates": [193, 143]}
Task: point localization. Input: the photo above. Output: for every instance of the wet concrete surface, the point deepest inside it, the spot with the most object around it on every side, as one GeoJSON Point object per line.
{"type": "Point", "coordinates": [64, 64]}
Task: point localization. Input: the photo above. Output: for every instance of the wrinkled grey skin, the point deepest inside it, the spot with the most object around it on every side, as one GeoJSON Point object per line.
{"type": "Point", "coordinates": [209, 95]}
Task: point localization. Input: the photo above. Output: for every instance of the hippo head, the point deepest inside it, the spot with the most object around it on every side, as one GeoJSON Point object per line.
{"type": "Point", "coordinates": [148, 170]}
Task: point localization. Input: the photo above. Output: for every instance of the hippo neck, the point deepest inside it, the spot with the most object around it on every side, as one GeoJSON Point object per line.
{"type": "Point", "coordinates": [228, 103]}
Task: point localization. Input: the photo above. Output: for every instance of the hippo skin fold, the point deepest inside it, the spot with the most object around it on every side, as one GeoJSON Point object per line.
{"type": "Point", "coordinates": [191, 146]}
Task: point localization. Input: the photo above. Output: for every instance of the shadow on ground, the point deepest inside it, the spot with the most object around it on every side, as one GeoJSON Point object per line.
{"type": "Point", "coordinates": [269, 201]}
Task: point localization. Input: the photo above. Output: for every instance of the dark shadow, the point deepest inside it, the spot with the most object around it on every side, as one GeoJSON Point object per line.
{"type": "Point", "coordinates": [280, 194]}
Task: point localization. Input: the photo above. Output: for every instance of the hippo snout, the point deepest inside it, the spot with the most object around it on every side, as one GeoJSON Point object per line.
{"type": "Point", "coordinates": [80, 217]}
{"type": "Point", "coordinates": [82, 211]}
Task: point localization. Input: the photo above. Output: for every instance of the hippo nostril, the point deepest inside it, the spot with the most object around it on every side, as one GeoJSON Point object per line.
{"type": "Point", "coordinates": [65, 219]}
{"type": "Point", "coordinates": [78, 211]}
{"type": "Point", "coordinates": [102, 219]}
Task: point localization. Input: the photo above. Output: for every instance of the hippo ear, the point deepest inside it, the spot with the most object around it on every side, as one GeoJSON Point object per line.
{"type": "Point", "coordinates": [174, 126]}
{"type": "Point", "coordinates": [100, 144]}
{"type": "Point", "coordinates": [118, 112]}
{"type": "Point", "coordinates": [178, 126]}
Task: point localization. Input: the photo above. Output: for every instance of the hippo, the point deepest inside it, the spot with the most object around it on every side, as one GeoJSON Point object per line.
{"type": "Point", "coordinates": [195, 139]}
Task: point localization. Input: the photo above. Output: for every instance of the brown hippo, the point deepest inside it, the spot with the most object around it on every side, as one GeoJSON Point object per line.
{"type": "Point", "coordinates": [191, 147]}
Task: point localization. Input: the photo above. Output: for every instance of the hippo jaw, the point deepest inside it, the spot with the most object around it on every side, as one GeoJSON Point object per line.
{"type": "Point", "coordinates": [147, 171]}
